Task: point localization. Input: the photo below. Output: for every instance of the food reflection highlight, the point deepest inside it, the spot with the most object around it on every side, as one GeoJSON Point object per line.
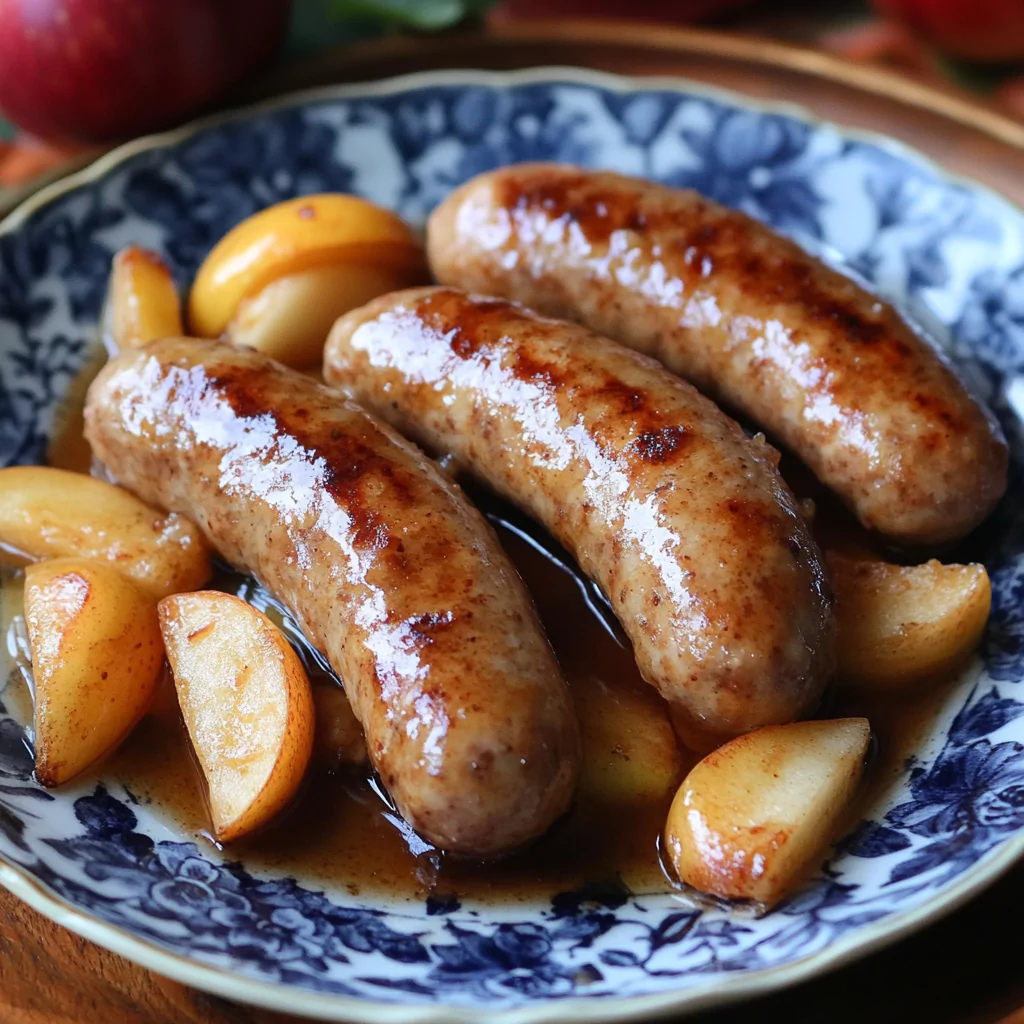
{"type": "Point", "coordinates": [680, 519]}
{"type": "Point", "coordinates": [749, 819]}
{"type": "Point", "coordinates": [400, 586]}
{"type": "Point", "coordinates": [800, 349]}
{"type": "Point", "coordinates": [390, 571]}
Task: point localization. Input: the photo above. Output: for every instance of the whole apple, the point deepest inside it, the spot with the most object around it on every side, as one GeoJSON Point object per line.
{"type": "Point", "coordinates": [987, 30]}
{"type": "Point", "coordinates": [96, 70]}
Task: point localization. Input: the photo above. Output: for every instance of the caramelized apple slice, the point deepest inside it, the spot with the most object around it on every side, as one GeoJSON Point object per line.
{"type": "Point", "coordinates": [290, 318]}
{"type": "Point", "coordinates": [327, 229]}
{"type": "Point", "coordinates": [96, 661]}
{"type": "Point", "coordinates": [751, 818]}
{"type": "Point", "coordinates": [902, 625]}
{"type": "Point", "coordinates": [278, 281]}
{"type": "Point", "coordinates": [246, 702]}
{"type": "Point", "coordinates": [53, 513]}
{"type": "Point", "coordinates": [143, 303]}
{"type": "Point", "coordinates": [630, 753]}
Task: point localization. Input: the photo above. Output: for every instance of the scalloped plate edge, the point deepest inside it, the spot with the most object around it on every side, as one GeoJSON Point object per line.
{"type": "Point", "coordinates": [233, 985]}
{"type": "Point", "coordinates": [549, 73]}
{"type": "Point", "coordinates": [726, 989]}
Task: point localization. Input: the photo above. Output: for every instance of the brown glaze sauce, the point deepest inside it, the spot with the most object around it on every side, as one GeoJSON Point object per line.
{"type": "Point", "coordinates": [341, 834]}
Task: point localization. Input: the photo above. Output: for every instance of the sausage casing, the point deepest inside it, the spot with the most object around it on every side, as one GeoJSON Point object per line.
{"type": "Point", "coordinates": [683, 521]}
{"type": "Point", "coordinates": [388, 569]}
{"type": "Point", "coordinates": [749, 318]}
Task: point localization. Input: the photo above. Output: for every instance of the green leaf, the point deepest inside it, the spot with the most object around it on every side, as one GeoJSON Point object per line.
{"type": "Point", "coordinates": [6, 131]}
{"type": "Point", "coordinates": [315, 25]}
{"type": "Point", "coordinates": [976, 76]}
{"type": "Point", "coordinates": [424, 15]}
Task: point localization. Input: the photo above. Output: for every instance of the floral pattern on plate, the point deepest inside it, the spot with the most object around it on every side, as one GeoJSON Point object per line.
{"type": "Point", "coordinates": [950, 253]}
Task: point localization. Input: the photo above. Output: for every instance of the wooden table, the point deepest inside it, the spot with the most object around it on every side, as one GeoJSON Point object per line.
{"type": "Point", "coordinates": [968, 967]}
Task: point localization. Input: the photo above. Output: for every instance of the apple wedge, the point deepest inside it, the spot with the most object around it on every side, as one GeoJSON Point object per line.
{"type": "Point", "coordinates": [630, 753]}
{"type": "Point", "coordinates": [54, 513]}
{"type": "Point", "coordinates": [142, 302]}
{"type": "Point", "coordinates": [903, 625]}
{"type": "Point", "coordinates": [96, 661]}
{"type": "Point", "coordinates": [246, 701]}
{"type": "Point", "coordinates": [278, 280]}
{"type": "Point", "coordinates": [290, 318]}
{"type": "Point", "coordinates": [751, 818]}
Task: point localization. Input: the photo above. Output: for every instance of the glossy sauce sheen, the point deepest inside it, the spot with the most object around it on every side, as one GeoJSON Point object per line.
{"type": "Point", "coordinates": [392, 574]}
{"type": "Point", "coordinates": [747, 316]}
{"type": "Point", "coordinates": [339, 833]}
{"type": "Point", "coordinates": [684, 522]}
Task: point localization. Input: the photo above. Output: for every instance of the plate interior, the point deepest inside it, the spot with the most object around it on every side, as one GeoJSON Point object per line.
{"type": "Point", "coordinates": [949, 253]}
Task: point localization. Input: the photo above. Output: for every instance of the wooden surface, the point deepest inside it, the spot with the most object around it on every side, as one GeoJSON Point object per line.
{"type": "Point", "coordinates": [966, 968]}
{"type": "Point", "coordinates": [965, 135]}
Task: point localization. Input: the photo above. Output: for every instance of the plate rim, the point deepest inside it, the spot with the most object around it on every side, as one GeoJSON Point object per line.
{"type": "Point", "coordinates": [552, 73]}
{"type": "Point", "coordinates": [716, 991]}
{"type": "Point", "coordinates": [719, 991]}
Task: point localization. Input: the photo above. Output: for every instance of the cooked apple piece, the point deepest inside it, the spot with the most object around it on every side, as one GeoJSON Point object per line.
{"type": "Point", "coordinates": [630, 753]}
{"type": "Point", "coordinates": [751, 818]}
{"type": "Point", "coordinates": [903, 625]}
{"type": "Point", "coordinates": [290, 238]}
{"type": "Point", "coordinates": [338, 739]}
{"type": "Point", "coordinates": [67, 447]}
{"type": "Point", "coordinates": [290, 318]}
{"type": "Point", "coordinates": [246, 702]}
{"type": "Point", "coordinates": [96, 660]}
{"type": "Point", "coordinates": [142, 302]}
{"type": "Point", "coordinates": [54, 513]}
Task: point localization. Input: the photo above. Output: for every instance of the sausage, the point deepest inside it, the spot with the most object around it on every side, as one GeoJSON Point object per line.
{"type": "Point", "coordinates": [683, 522]}
{"type": "Point", "coordinates": [390, 572]}
{"type": "Point", "coordinates": [752, 320]}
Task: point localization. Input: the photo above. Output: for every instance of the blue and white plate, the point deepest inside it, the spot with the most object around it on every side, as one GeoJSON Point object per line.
{"type": "Point", "coordinates": [949, 252]}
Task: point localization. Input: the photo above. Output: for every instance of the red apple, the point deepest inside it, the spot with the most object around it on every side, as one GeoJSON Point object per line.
{"type": "Point", "coordinates": [94, 70]}
{"type": "Point", "coordinates": [990, 30]}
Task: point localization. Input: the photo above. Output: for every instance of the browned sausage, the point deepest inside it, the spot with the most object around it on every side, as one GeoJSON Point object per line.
{"type": "Point", "coordinates": [750, 319]}
{"type": "Point", "coordinates": [683, 522]}
{"type": "Point", "coordinates": [390, 572]}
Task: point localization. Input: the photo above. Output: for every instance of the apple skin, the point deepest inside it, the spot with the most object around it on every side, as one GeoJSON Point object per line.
{"type": "Point", "coordinates": [984, 30]}
{"type": "Point", "coordinates": [97, 70]}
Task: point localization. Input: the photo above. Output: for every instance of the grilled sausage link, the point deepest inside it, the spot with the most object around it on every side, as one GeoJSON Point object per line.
{"type": "Point", "coordinates": [388, 569]}
{"type": "Point", "coordinates": [683, 522]}
{"type": "Point", "coordinates": [750, 319]}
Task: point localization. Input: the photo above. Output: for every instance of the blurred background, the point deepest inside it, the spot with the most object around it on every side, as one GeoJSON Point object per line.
{"type": "Point", "coordinates": [77, 75]}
